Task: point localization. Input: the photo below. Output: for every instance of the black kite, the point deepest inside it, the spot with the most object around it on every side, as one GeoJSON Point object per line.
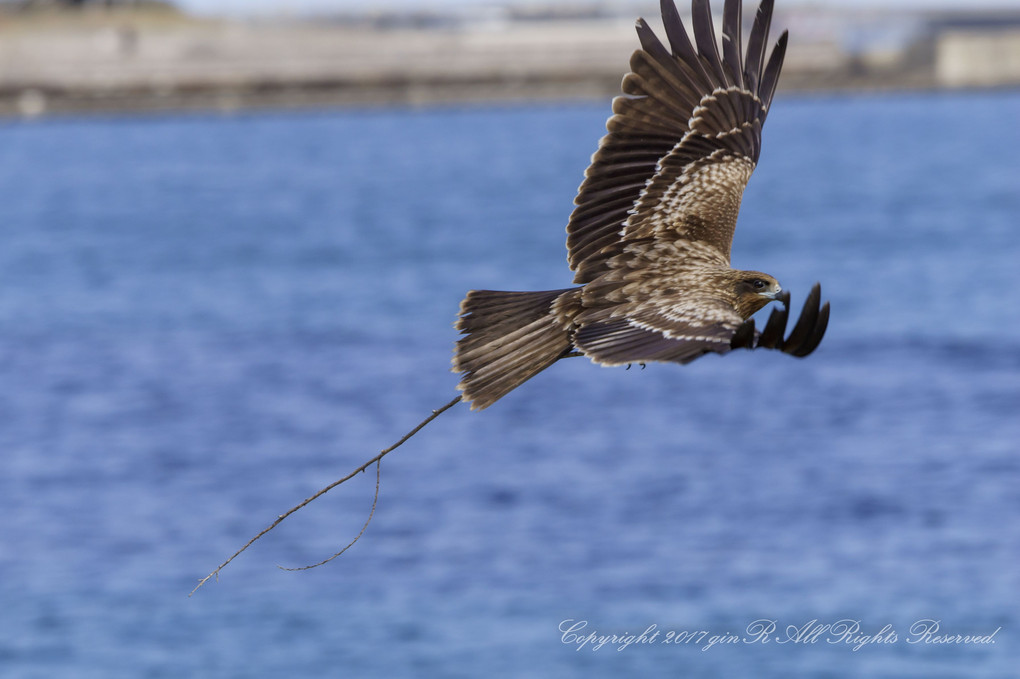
{"type": "Point", "coordinates": [649, 238]}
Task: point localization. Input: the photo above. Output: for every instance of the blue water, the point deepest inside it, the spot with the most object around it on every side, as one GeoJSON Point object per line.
{"type": "Point", "coordinates": [205, 319]}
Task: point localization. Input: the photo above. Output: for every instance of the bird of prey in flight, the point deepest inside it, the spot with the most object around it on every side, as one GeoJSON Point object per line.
{"type": "Point", "coordinates": [649, 238]}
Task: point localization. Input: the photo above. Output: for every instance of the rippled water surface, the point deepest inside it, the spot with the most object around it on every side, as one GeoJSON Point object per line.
{"type": "Point", "coordinates": [205, 319]}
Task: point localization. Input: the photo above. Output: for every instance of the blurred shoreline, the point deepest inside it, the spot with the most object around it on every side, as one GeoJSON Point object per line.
{"type": "Point", "coordinates": [134, 60]}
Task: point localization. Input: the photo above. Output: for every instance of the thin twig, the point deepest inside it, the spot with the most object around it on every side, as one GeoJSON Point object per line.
{"type": "Point", "coordinates": [281, 517]}
{"type": "Point", "coordinates": [375, 501]}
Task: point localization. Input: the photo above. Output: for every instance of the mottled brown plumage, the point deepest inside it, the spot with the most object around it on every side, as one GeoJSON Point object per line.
{"type": "Point", "coordinates": [649, 239]}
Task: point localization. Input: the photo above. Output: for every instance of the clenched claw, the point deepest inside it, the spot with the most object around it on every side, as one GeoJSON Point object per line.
{"type": "Point", "coordinates": [805, 337]}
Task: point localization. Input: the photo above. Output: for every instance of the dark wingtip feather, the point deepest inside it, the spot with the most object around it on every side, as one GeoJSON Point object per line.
{"type": "Point", "coordinates": [704, 36]}
{"type": "Point", "coordinates": [803, 331]}
{"type": "Point", "coordinates": [649, 41]}
{"type": "Point", "coordinates": [770, 78]}
{"type": "Point", "coordinates": [743, 338]}
{"type": "Point", "coordinates": [674, 25]}
{"type": "Point", "coordinates": [679, 41]}
{"type": "Point", "coordinates": [731, 40]}
{"type": "Point", "coordinates": [817, 333]}
{"type": "Point", "coordinates": [772, 336]}
{"type": "Point", "coordinates": [754, 62]}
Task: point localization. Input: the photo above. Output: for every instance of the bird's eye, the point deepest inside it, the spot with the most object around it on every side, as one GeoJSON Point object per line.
{"type": "Point", "coordinates": [758, 284]}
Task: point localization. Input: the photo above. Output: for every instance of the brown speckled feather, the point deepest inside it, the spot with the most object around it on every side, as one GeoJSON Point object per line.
{"type": "Point", "coordinates": [649, 238]}
{"type": "Point", "coordinates": [684, 137]}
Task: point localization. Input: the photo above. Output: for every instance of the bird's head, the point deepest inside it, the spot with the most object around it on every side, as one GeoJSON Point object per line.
{"type": "Point", "coordinates": [754, 290]}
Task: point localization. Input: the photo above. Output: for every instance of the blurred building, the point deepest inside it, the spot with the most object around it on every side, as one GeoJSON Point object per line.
{"type": "Point", "coordinates": [977, 51]}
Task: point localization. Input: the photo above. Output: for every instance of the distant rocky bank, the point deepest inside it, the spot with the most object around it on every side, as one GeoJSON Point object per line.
{"type": "Point", "coordinates": [101, 61]}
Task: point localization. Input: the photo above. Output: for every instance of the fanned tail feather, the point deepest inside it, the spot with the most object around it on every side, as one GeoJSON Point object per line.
{"type": "Point", "coordinates": [509, 337]}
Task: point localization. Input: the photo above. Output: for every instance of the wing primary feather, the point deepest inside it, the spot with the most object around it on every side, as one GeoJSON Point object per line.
{"type": "Point", "coordinates": [772, 336]}
{"type": "Point", "coordinates": [704, 35]}
{"type": "Point", "coordinates": [743, 338]}
{"type": "Point", "coordinates": [661, 95]}
{"type": "Point", "coordinates": [731, 41]}
{"type": "Point", "coordinates": [650, 42]}
{"type": "Point", "coordinates": [820, 328]}
{"type": "Point", "coordinates": [647, 73]}
{"type": "Point", "coordinates": [806, 323]}
{"type": "Point", "coordinates": [755, 59]}
{"type": "Point", "coordinates": [771, 75]}
{"type": "Point", "coordinates": [680, 42]}
{"type": "Point", "coordinates": [595, 210]}
{"type": "Point", "coordinates": [812, 342]}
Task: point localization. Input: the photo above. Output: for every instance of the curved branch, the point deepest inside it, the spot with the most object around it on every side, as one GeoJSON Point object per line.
{"type": "Point", "coordinates": [281, 517]}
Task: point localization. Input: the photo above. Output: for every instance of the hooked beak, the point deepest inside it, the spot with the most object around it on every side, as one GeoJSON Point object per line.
{"type": "Point", "coordinates": [777, 295]}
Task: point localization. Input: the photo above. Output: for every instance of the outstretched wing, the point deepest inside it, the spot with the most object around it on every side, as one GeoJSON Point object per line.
{"type": "Point", "coordinates": [674, 329]}
{"type": "Point", "coordinates": [803, 339]}
{"type": "Point", "coordinates": [683, 139]}
{"type": "Point", "coordinates": [680, 338]}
